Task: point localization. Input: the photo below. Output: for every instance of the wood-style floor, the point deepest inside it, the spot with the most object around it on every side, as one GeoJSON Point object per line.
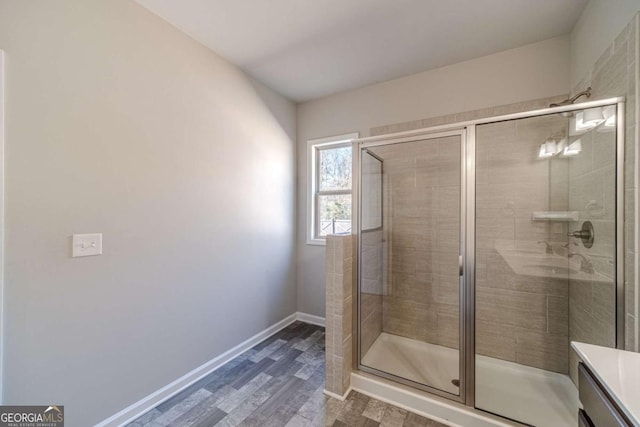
{"type": "Point", "coordinates": [278, 383]}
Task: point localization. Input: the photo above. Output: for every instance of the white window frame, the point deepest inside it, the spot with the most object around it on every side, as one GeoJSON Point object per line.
{"type": "Point", "coordinates": [313, 146]}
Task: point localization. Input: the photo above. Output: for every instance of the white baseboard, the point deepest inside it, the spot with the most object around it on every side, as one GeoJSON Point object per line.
{"type": "Point", "coordinates": [149, 402]}
{"type": "Point", "coordinates": [337, 396]}
{"type": "Point", "coordinates": [310, 318]}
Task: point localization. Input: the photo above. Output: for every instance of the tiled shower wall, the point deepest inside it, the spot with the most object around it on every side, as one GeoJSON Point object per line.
{"type": "Point", "coordinates": [531, 311]}
{"type": "Point", "coordinates": [534, 104]}
{"type": "Point", "coordinates": [421, 228]}
{"type": "Point", "coordinates": [616, 73]}
{"type": "Point", "coordinates": [591, 178]}
{"type": "Point", "coordinates": [339, 313]}
{"type": "Point", "coordinates": [372, 287]}
{"type": "Point", "coordinates": [520, 318]}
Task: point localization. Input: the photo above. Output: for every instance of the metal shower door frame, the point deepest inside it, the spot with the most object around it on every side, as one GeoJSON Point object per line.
{"type": "Point", "coordinates": [360, 146]}
{"type": "Point", "coordinates": [467, 130]}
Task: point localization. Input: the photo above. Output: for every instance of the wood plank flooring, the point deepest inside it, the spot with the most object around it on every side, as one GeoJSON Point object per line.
{"type": "Point", "coordinates": [277, 383]}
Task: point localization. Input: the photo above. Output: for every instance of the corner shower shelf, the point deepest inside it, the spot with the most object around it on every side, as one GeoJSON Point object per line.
{"type": "Point", "coordinates": [555, 216]}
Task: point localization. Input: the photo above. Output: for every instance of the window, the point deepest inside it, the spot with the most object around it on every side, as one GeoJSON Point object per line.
{"type": "Point", "coordinates": [329, 198]}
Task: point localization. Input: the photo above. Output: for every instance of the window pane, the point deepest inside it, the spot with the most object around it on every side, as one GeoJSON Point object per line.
{"type": "Point", "coordinates": [335, 169]}
{"type": "Point", "coordinates": [335, 214]}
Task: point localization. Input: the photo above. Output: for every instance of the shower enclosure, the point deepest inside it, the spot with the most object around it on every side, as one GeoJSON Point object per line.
{"type": "Point", "coordinates": [485, 248]}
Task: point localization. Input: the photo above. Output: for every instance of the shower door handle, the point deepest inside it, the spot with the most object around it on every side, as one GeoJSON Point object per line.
{"type": "Point", "coordinates": [460, 265]}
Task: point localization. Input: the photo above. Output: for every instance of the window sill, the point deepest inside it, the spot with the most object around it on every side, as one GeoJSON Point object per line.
{"type": "Point", "coordinates": [316, 242]}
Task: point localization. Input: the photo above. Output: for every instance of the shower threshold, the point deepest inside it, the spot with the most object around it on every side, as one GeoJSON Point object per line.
{"type": "Point", "coordinates": [523, 393]}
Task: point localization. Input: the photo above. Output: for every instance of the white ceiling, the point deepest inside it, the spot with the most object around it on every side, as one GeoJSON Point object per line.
{"type": "Point", "coordinates": [306, 49]}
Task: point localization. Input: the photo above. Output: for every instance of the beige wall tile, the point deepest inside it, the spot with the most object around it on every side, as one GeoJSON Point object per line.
{"type": "Point", "coordinates": [347, 319]}
{"type": "Point", "coordinates": [371, 327]}
{"type": "Point", "coordinates": [424, 178]}
{"type": "Point", "coordinates": [629, 288]}
{"type": "Point", "coordinates": [531, 231]}
{"type": "Point", "coordinates": [495, 340]}
{"type": "Point", "coordinates": [611, 79]}
{"type": "Point", "coordinates": [525, 310]}
{"type": "Point", "coordinates": [448, 326]}
{"type": "Point", "coordinates": [329, 373]}
{"type": "Point", "coordinates": [558, 315]}
{"type": "Point", "coordinates": [581, 295]}
{"type": "Point", "coordinates": [411, 287]}
{"type": "Point", "coordinates": [604, 306]}
{"type": "Point", "coordinates": [581, 164]}
{"type": "Point", "coordinates": [469, 115]}
{"type": "Point", "coordinates": [629, 226]}
{"type": "Point", "coordinates": [339, 313]}
{"type": "Point", "coordinates": [330, 251]}
{"type": "Point", "coordinates": [585, 190]}
{"type": "Point", "coordinates": [542, 350]}
{"type": "Point", "coordinates": [585, 327]}
{"type": "Point", "coordinates": [604, 149]}
{"type": "Point", "coordinates": [630, 153]}
{"type": "Point", "coordinates": [629, 334]}
{"type": "Point", "coordinates": [538, 285]}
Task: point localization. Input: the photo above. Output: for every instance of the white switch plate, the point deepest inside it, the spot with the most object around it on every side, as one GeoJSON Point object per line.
{"type": "Point", "coordinates": [86, 245]}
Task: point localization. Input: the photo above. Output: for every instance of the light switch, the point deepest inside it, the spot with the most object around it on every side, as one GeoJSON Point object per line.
{"type": "Point", "coordinates": [86, 245]}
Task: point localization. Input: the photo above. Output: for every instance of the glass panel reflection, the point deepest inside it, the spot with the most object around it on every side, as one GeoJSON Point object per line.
{"type": "Point", "coordinates": [409, 278]}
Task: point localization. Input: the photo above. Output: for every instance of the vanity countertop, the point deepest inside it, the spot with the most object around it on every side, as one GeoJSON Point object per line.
{"type": "Point", "coordinates": [619, 373]}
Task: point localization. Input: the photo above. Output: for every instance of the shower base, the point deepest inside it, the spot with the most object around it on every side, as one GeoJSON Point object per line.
{"type": "Point", "coordinates": [515, 391]}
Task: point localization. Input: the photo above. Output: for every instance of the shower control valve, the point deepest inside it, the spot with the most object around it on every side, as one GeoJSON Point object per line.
{"type": "Point", "coordinates": [549, 248]}
{"type": "Point", "coordinates": [585, 234]}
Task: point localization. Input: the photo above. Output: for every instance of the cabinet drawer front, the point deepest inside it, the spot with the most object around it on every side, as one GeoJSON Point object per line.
{"type": "Point", "coordinates": [597, 403]}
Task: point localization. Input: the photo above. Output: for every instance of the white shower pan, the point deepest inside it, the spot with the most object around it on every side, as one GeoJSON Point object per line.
{"type": "Point", "coordinates": [522, 393]}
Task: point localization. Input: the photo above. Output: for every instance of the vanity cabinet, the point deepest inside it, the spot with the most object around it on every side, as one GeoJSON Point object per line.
{"type": "Point", "coordinates": [599, 408]}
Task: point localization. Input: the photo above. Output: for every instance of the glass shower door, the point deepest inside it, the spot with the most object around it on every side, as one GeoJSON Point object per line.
{"type": "Point", "coordinates": [409, 273]}
{"type": "Point", "coordinates": [537, 286]}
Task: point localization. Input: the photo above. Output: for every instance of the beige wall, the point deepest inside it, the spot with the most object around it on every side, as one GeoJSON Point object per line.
{"type": "Point", "coordinates": [118, 123]}
{"type": "Point", "coordinates": [530, 72]}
